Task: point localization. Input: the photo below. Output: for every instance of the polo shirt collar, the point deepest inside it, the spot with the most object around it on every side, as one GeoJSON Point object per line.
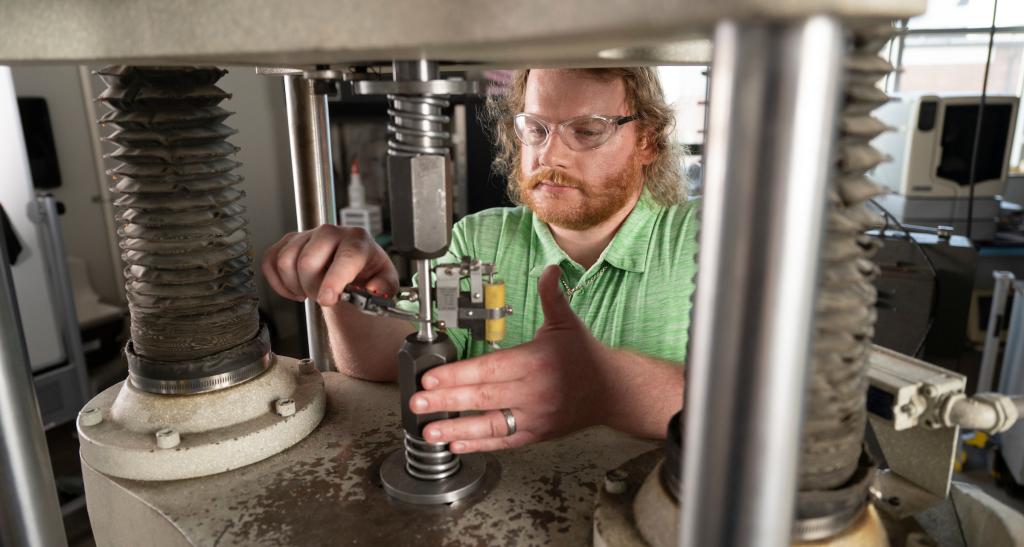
{"type": "Point", "coordinates": [627, 250]}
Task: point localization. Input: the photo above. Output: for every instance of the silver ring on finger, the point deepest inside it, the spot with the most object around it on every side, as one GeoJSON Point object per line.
{"type": "Point", "coordinates": [510, 421]}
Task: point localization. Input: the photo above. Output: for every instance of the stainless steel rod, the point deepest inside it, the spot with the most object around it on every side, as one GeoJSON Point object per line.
{"type": "Point", "coordinates": [996, 322]}
{"type": "Point", "coordinates": [774, 103]}
{"type": "Point", "coordinates": [28, 494]}
{"type": "Point", "coordinates": [313, 177]}
{"type": "Point", "coordinates": [64, 295]}
{"type": "Point", "coordinates": [426, 299]}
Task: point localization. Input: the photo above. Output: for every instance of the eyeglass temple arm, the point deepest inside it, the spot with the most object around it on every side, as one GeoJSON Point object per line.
{"type": "Point", "coordinates": [627, 119]}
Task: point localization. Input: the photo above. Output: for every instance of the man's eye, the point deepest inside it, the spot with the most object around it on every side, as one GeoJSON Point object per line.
{"type": "Point", "coordinates": [586, 133]}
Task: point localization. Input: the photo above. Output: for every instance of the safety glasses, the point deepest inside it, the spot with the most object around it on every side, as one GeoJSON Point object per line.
{"type": "Point", "coordinates": [579, 134]}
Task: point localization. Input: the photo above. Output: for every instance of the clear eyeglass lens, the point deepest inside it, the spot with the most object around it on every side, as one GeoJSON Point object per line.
{"type": "Point", "coordinates": [579, 134]}
{"type": "Point", "coordinates": [588, 132]}
{"type": "Point", "coordinates": [531, 131]}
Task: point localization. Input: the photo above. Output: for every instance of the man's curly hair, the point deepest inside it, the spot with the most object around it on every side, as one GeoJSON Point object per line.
{"type": "Point", "coordinates": [663, 177]}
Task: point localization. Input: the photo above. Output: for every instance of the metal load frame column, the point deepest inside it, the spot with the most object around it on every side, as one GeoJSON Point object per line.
{"type": "Point", "coordinates": [309, 132]}
{"type": "Point", "coordinates": [774, 100]}
{"type": "Point", "coordinates": [28, 494]}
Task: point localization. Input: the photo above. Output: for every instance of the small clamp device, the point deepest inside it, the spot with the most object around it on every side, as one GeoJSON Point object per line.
{"type": "Point", "coordinates": [371, 304]}
{"type": "Point", "coordinates": [481, 309]}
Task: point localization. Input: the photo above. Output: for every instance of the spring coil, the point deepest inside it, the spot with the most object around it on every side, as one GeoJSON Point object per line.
{"type": "Point", "coordinates": [429, 461]}
{"type": "Point", "coordinates": [417, 126]}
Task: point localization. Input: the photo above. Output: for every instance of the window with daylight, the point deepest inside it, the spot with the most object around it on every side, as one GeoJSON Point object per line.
{"type": "Point", "coordinates": [946, 50]}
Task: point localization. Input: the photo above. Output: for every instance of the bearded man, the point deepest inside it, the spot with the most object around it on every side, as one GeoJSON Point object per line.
{"type": "Point", "coordinates": [598, 261]}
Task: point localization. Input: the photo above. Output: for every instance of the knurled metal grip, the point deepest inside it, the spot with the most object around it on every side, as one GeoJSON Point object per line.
{"type": "Point", "coordinates": [420, 189]}
{"type": "Point", "coordinates": [414, 359]}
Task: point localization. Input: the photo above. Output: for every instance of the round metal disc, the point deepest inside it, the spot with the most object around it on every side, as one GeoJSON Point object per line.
{"type": "Point", "coordinates": [406, 87]}
{"type": "Point", "coordinates": [399, 484]}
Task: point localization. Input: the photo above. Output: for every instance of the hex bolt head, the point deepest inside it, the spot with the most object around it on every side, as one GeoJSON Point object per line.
{"type": "Point", "coordinates": [167, 438]}
{"type": "Point", "coordinates": [89, 417]}
{"type": "Point", "coordinates": [615, 481]}
{"type": "Point", "coordinates": [284, 407]}
{"type": "Point", "coordinates": [306, 366]}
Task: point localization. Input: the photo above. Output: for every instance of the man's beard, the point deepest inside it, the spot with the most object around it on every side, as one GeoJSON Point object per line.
{"type": "Point", "coordinates": [590, 207]}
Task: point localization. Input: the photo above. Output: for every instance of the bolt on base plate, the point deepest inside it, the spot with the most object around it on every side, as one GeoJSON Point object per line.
{"type": "Point", "coordinates": [399, 484]}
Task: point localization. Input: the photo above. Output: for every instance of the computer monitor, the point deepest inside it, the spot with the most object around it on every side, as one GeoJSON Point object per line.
{"type": "Point", "coordinates": [933, 141]}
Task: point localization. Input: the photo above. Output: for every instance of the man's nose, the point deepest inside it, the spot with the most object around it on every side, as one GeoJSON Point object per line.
{"type": "Point", "coordinates": [554, 152]}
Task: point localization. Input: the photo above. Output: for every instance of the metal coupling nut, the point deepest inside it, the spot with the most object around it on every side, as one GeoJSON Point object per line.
{"type": "Point", "coordinates": [167, 438]}
{"type": "Point", "coordinates": [284, 407]}
{"type": "Point", "coordinates": [1004, 408]}
{"type": "Point", "coordinates": [89, 417]}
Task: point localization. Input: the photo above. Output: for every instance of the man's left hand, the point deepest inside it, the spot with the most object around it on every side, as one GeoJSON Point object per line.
{"type": "Point", "coordinates": [554, 385]}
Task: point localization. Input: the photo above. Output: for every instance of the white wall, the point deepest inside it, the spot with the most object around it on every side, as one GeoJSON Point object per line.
{"type": "Point", "coordinates": [82, 225]}
{"type": "Point", "coordinates": [39, 321]}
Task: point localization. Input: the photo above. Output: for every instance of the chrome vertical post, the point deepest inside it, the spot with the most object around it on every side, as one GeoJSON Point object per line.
{"type": "Point", "coordinates": [28, 494]}
{"type": "Point", "coordinates": [313, 177]}
{"type": "Point", "coordinates": [773, 120]}
{"type": "Point", "coordinates": [64, 295]}
{"type": "Point", "coordinates": [996, 322]}
{"type": "Point", "coordinates": [1012, 375]}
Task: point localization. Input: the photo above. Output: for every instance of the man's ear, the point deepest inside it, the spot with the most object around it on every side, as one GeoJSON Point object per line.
{"type": "Point", "coordinates": [646, 151]}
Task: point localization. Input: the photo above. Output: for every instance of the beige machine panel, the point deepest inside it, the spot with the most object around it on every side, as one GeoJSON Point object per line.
{"type": "Point", "coordinates": [496, 32]}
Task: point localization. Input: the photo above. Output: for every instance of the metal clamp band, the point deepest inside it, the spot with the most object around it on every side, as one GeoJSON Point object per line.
{"type": "Point", "coordinates": [221, 370]}
{"type": "Point", "coordinates": [818, 528]}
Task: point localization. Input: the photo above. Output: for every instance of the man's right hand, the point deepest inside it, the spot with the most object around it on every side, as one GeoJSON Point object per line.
{"type": "Point", "coordinates": [319, 263]}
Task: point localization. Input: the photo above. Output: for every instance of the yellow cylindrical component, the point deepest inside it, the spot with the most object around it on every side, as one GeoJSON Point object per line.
{"type": "Point", "coordinates": [494, 299]}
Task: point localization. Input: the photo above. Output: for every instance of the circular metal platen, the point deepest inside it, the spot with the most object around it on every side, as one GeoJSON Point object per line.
{"type": "Point", "coordinates": [399, 484]}
{"type": "Point", "coordinates": [410, 87]}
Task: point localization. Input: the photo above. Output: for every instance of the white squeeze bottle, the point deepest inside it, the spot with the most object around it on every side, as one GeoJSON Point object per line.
{"type": "Point", "coordinates": [359, 213]}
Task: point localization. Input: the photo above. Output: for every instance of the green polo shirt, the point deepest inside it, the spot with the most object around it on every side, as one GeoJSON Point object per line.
{"type": "Point", "coordinates": [637, 296]}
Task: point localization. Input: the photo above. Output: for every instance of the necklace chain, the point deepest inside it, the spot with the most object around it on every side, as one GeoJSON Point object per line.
{"type": "Point", "coordinates": [573, 290]}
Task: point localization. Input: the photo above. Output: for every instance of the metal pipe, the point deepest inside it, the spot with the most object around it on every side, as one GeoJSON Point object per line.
{"type": "Point", "coordinates": [992, 413]}
{"type": "Point", "coordinates": [420, 70]}
{"type": "Point", "coordinates": [1000, 291]}
{"type": "Point", "coordinates": [60, 283]}
{"type": "Point", "coordinates": [28, 494]}
{"type": "Point", "coordinates": [775, 93]}
{"type": "Point", "coordinates": [313, 177]}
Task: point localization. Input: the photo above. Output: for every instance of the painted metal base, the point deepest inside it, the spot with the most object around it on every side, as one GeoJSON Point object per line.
{"type": "Point", "coordinates": [132, 434]}
{"type": "Point", "coordinates": [326, 490]}
{"type": "Point", "coordinates": [619, 512]}
{"type": "Point", "coordinates": [399, 484]}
